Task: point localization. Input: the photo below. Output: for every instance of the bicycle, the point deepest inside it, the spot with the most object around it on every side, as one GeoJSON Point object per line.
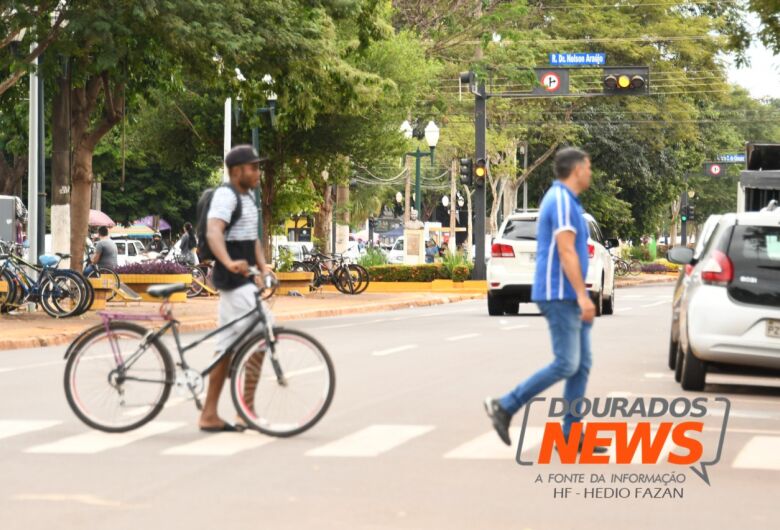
{"type": "Point", "coordinates": [119, 374]}
{"type": "Point", "coordinates": [623, 267]}
{"type": "Point", "coordinates": [347, 278]}
{"type": "Point", "coordinates": [61, 293]}
{"type": "Point", "coordinates": [112, 278]}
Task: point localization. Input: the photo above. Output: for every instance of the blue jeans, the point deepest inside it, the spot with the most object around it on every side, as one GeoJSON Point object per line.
{"type": "Point", "coordinates": [572, 362]}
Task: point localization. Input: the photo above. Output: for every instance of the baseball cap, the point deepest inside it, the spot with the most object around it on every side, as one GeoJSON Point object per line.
{"type": "Point", "coordinates": [241, 154]}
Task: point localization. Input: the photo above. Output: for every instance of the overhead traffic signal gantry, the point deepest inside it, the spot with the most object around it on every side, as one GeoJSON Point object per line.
{"type": "Point", "coordinates": [628, 80]}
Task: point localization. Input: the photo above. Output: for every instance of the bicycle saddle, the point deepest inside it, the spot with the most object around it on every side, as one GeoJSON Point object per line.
{"type": "Point", "coordinates": [47, 260]}
{"type": "Point", "coordinates": [63, 256]}
{"type": "Point", "coordinates": [166, 289]}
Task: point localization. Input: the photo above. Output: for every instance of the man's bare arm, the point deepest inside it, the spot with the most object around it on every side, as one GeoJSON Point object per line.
{"type": "Point", "coordinates": [571, 268]}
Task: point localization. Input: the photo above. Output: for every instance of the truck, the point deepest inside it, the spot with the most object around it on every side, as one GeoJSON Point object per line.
{"type": "Point", "coordinates": [759, 182]}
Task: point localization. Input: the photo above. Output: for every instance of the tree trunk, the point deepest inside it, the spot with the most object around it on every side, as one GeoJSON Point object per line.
{"type": "Point", "coordinates": [60, 168]}
{"type": "Point", "coordinates": [342, 218]}
{"type": "Point", "coordinates": [496, 189]}
{"type": "Point", "coordinates": [673, 225]}
{"type": "Point", "coordinates": [469, 230]}
{"type": "Point", "coordinates": [267, 187]}
{"type": "Point", "coordinates": [510, 196]}
{"type": "Point", "coordinates": [323, 220]}
{"type": "Point", "coordinates": [80, 198]}
{"type": "Point", "coordinates": [11, 174]}
{"type": "Point", "coordinates": [453, 204]}
{"type": "Point", "coordinates": [408, 192]}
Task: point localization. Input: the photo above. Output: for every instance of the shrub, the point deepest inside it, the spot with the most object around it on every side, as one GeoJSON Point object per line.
{"type": "Point", "coordinates": [653, 268]}
{"type": "Point", "coordinates": [153, 267]}
{"type": "Point", "coordinates": [373, 257]}
{"type": "Point", "coordinates": [460, 273]}
{"type": "Point", "coordinates": [406, 273]}
{"type": "Point", "coordinates": [451, 260]}
{"type": "Point", "coordinates": [671, 267]}
{"type": "Point", "coordinates": [642, 253]}
{"type": "Point", "coordinates": [284, 260]}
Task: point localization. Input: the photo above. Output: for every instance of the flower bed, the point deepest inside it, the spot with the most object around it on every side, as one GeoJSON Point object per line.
{"type": "Point", "coordinates": [140, 276]}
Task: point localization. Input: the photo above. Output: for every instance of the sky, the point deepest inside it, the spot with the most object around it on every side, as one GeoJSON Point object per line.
{"type": "Point", "coordinates": [762, 77]}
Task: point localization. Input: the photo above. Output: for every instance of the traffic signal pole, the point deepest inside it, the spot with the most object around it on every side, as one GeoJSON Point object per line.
{"type": "Point", "coordinates": [480, 207]}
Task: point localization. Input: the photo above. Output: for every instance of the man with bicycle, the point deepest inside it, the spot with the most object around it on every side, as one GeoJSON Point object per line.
{"type": "Point", "coordinates": [559, 291]}
{"type": "Point", "coordinates": [236, 248]}
{"type": "Point", "coordinates": [105, 255]}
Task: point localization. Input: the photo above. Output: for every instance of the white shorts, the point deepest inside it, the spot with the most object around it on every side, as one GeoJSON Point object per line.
{"type": "Point", "coordinates": [233, 304]}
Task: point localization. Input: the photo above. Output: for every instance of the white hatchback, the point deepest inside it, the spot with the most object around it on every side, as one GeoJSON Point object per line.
{"type": "Point", "coordinates": [510, 271]}
{"type": "Point", "coordinates": [730, 311]}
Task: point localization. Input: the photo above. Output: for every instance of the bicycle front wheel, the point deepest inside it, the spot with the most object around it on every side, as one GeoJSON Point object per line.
{"type": "Point", "coordinates": [286, 393]}
{"type": "Point", "coordinates": [118, 380]}
{"type": "Point", "coordinates": [636, 267]}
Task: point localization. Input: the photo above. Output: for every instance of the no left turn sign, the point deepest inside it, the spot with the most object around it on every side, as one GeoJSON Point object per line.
{"type": "Point", "coordinates": [551, 82]}
{"type": "Point", "coordinates": [715, 170]}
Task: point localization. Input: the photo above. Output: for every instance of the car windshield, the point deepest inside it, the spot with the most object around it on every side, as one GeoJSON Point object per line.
{"type": "Point", "coordinates": [520, 229]}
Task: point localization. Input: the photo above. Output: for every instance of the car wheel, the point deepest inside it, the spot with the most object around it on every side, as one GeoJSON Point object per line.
{"type": "Point", "coordinates": [511, 307]}
{"type": "Point", "coordinates": [598, 301]}
{"type": "Point", "coordinates": [672, 354]}
{"type": "Point", "coordinates": [495, 305]}
{"type": "Point", "coordinates": [694, 371]}
{"type": "Point", "coordinates": [609, 303]}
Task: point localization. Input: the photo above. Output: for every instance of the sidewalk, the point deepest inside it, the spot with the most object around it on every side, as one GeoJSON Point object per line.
{"type": "Point", "coordinates": [645, 279]}
{"type": "Point", "coordinates": [31, 330]}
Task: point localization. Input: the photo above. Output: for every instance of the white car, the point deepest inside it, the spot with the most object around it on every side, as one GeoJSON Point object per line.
{"type": "Point", "coordinates": [130, 251]}
{"type": "Point", "coordinates": [730, 310]}
{"type": "Point", "coordinates": [396, 254]}
{"type": "Point", "coordinates": [510, 271]}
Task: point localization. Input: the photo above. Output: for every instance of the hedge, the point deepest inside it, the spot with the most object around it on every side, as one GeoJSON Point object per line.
{"type": "Point", "coordinates": [406, 273]}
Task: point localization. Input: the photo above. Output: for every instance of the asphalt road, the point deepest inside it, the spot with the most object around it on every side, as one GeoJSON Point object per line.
{"type": "Point", "coordinates": [406, 443]}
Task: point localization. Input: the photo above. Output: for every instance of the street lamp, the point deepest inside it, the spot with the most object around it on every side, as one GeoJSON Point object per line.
{"type": "Point", "coordinates": [431, 134]}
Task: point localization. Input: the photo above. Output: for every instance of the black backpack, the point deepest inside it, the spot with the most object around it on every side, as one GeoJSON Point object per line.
{"type": "Point", "coordinates": [202, 211]}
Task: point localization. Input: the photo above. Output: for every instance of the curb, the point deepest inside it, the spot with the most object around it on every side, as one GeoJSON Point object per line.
{"type": "Point", "coordinates": [211, 323]}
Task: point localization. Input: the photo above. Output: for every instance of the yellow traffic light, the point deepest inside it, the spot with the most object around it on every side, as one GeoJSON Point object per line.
{"type": "Point", "coordinates": [623, 81]}
{"type": "Point", "coordinates": [480, 171]}
{"type": "Point", "coordinates": [626, 80]}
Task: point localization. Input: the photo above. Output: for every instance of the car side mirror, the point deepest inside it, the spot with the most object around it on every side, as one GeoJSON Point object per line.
{"type": "Point", "coordinates": [612, 243]}
{"type": "Point", "coordinates": [680, 255]}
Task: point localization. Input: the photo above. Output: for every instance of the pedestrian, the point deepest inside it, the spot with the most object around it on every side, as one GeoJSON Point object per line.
{"type": "Point", "coordinates": [187, 244]}
{"type": "Point", "coordinates": [234, 252]}
{"type": "Point", "coordinates": [105, 254]}
{"type": "Point", "coordinates": [559, 291]}
{"type": "Point", "coordinates": [431, 250]}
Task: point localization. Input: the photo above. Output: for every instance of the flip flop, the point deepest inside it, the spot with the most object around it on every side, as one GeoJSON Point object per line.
{"type": "Point", "coordinates": [225, 428]}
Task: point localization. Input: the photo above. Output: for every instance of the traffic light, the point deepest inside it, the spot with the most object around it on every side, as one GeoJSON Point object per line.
{"type": "Point", "coordinates": [480, 172]}
{"type": "Point", "coordinates": [684, 214]}
{"type": "Point", "coordinates": [466, 171]}
{"type": "Point", "coordinates": [626, 81]}
{"type": "Point", "coordinates": [691, 212]}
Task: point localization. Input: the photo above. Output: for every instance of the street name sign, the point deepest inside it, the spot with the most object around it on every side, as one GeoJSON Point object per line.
{"type": "Point", "coordinates": [578, 59]}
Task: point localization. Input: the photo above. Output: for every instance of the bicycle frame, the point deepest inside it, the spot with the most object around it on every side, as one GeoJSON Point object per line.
{"type": "Point", "coordinates": [258, 319]}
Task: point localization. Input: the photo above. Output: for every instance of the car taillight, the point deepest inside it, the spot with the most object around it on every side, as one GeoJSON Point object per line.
{"type": "Point", "coordinates": [500, 250]}
{"type": "Point", "coordinates": [718, 270]}
{"type": "Point", "coordinates": [591, 250]}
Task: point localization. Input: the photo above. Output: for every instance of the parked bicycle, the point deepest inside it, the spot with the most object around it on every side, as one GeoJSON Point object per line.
{"type": "Point", "coordinates": [623, 267]}
{"type": "Point", "coordinates": [348, 278]}
{"type": "Point", "coordinates": [61, 293]}
{"type": "Point", "coordinates": [119, 374]}
{"type": "Point", "coordinates": [110, 277]}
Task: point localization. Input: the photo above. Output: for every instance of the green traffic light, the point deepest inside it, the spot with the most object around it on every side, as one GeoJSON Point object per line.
{"type": "Point", "coordinates": [684, 218]}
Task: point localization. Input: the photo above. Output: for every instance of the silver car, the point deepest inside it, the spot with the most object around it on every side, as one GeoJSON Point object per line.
{"type": "Point", "coordinates": [730, 313]}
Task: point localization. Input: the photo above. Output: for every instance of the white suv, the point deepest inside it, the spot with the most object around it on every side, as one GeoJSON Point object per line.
{"type": "Point", "coordinates": [510, 271]}
{"type": "Point", "coordinates": [730, 310]}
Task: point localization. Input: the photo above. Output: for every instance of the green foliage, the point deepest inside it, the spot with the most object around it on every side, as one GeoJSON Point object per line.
{"type": "Point", "coordinates": [373, 257]}
{"type": "Point", "coordinates": [406, 273]}
{"type": "Point", "coordinates": [454, 260]}
{"type": "Point", "coordinates": [460, 273]}
{"type": "Point", "coordinates": [640, 252]}
{"type": "Point", "coordinates": [284, 260]}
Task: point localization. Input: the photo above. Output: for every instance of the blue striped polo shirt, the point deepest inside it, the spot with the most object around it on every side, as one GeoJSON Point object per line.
{"type": "Point", "coordinates": [560, 210]}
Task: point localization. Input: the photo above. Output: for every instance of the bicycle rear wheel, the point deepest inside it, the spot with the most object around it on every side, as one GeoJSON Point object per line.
{"type": "Point", "coordinates": [198, 281]}
{"type": "Point", "coordinates": [287, 393]}
{"type": "Point", "coordinates": [62, 295]}
{"type": "Point", "coordinates": [8, 294]}
{"type": "Point", "coordinates": [635, 267]}
{"type": "Point", "coordinates": [118, 381]}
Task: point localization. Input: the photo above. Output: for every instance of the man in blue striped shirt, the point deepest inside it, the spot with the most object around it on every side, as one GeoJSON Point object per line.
{"type": "Point", "coordinates": [559, 291]}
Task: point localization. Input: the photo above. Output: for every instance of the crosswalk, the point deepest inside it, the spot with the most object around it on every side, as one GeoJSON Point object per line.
{"type": "Point", "coordinates": [755, 451]}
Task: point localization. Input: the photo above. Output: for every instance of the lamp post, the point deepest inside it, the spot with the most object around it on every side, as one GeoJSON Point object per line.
{"type": "Point", "coordinates": [431, 134]}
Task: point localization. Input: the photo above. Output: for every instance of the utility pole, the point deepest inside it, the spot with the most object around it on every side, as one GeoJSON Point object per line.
{"type": "Point", "coordinates": [32, 164]}
{"type": "Point", "coordinates": [525, 176]}
{"type": "Point", "coordinates": [684, 213]}
{"type": "Point", "coordinates": [480, 206]}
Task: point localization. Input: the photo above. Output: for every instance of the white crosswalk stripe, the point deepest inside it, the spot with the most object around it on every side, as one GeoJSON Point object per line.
{"type": "Point", "coordinates": [222, 444]}
{"type": "Point", "coordinates": [10, 428]}
{"type": "Point", "coordinates": [760, 452]}
{"type": "Point", "coordinates": [96, 442]}
{"type": "Point", "coordinates": [488, 446]}
{"type": "Point", "coordinates": [371, 441]}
